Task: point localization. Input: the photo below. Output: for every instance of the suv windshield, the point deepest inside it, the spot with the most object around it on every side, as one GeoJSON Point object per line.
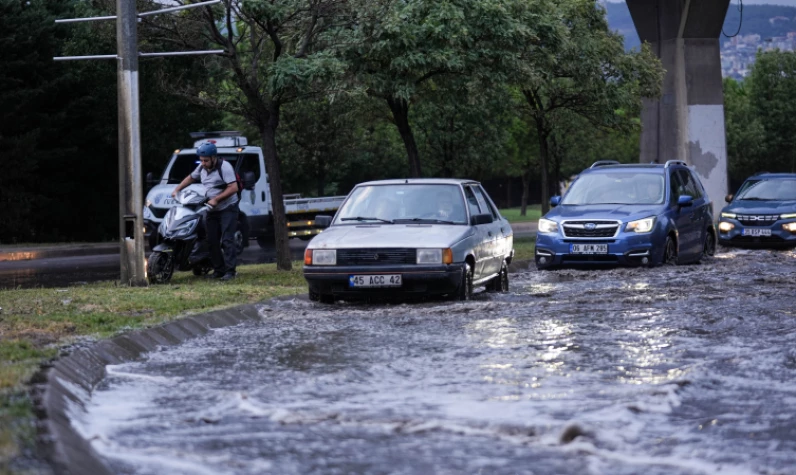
{"type": "Point", "coordinates": [768, 190]}
{"type": "Point", "coordinates": [402, 203]}
{"type": "Point", "coordinates": [623, 188]}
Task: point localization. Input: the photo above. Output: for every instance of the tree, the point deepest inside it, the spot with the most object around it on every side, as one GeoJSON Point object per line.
{"type": "Point", "coordinates": [588, 74]}
{"type": "Point", "coordinates": [773, 94]}
{"type": "Point", "coordinates": [746, 136]}
{"type": "Point", "coordinates": [398, 48]}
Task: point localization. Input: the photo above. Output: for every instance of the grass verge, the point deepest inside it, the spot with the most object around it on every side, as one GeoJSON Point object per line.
{"type": "Point", "coordinates": [35, 323]}
{"type": "Point", "coordinates": [524, 248]}
{"type": "Point", "coordinates": [533, 213]}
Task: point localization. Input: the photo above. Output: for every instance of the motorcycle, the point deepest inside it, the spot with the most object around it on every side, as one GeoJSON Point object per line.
{"type": "Point", "coordinates": [182, 245]}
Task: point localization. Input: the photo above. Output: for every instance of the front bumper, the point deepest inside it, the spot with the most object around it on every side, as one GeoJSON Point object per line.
{"type": "Point", "coordinates": [736, 237]}
{"type": "Point", "coordinates": [627, 249]}
{"type": "Point", "coordinates": [416, 280]}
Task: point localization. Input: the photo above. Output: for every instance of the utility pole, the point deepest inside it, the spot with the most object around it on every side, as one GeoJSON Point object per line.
{"type": "Point", "coordinates": [131, 203]}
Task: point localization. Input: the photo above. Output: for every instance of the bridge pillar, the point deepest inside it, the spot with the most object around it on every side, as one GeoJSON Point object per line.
{"type": "Point", "coordinates": [687, 122]}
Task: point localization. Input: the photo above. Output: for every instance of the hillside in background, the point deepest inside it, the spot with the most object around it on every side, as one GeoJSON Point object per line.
{"type": "Point", "coordinates": [768, 21]}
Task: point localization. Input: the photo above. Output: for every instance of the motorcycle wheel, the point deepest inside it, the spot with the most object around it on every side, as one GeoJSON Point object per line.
{"type": "Point", "coordinates": [159, 268]}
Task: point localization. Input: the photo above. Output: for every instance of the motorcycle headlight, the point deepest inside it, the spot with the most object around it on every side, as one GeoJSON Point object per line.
{"type": "Point", "coordinates": [547, 226]}
{"type": "Point", "coordinates": [429, 256]}
{"type": "Point", "coordinates": [324, 257]}
{"type": "Point", "coordinates": [642, 225]}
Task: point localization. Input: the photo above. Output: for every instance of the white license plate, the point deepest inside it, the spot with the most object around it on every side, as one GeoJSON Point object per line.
{"type": "Point", "coordinates": [588, 248]}
{"type": "Point", "coordinates": [393, 280]}
{"type": "Point", "coordinates": [756, 232]}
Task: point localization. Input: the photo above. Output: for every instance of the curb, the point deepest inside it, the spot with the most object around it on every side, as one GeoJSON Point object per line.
{"type": "Point", "coordinates": [30, 253]}
{"type": "Point", "coordinates": [63, 386]}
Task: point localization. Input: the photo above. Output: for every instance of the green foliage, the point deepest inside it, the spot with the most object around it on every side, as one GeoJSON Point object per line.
{"type": "Point", "coordinates": [745, 131]}
{"type": "Point", "coordinates": [772, 91]}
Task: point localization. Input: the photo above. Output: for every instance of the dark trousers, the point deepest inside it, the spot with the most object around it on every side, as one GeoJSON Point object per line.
{"type": "Point", "coordinates": [221, 228]}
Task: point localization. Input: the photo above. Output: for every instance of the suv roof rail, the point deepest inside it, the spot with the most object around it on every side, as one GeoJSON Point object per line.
{"type": "Point", "coordinates": [602, 163]}
{"type": "Point", "coordinates": [674, 162]}
{"type": "Point", "coordinates": [760, 173]}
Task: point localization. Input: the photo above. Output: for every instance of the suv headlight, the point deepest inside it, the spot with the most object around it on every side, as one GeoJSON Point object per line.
{"type": "Point", "coordinates": [788, 216]}
{"type": "Point", "coordinates": [547, 226]}
{"type": "Point", "coordinates": [642, 225]}
{"type": "Point", "coordinates": [731, 215]}
{"type": "Point", "coordinates": [324, 257]}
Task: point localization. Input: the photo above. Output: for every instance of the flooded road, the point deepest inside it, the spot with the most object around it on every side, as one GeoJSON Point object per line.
{"type": "Point", "coordinates": [672, 370]}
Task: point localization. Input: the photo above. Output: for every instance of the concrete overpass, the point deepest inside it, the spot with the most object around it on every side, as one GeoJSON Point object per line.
{"type": "Point", "coordinates": [687, 122]}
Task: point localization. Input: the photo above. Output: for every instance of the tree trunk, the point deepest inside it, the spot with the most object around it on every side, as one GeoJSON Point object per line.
{"type": "Point", "coordinates": [543, 162]}
{"type": "Point", "coordinates": [400, 114]}
{"type": "Point", "coordinates": [526, 191]}
{"type": "Point", "coordinates": [268, 132]}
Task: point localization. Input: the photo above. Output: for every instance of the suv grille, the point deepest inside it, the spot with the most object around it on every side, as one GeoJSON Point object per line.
{"type": "Point", "coordinates": [757, 220]}
{"type": "Point", "coordinates": [374, 257]}
{"type": "Point", "coordinates": [590, 229]}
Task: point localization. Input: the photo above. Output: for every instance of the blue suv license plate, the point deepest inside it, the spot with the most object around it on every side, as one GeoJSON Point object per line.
{"type": "Point", "coordinates": [588, 248]}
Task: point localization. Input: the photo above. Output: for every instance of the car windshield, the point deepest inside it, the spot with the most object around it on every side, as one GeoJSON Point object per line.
{"type": "Point", "coordinates": [401, 203]}
{"type": "Point", "coordinates": [777, 189]}
{"type": "Point", "coordinates": [625, 188]}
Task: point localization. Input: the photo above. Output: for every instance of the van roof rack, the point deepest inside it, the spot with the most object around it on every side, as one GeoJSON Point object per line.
{"type": "Point", "coordinates": [674, 162]}
{"type": "Point", "coordinates": [602, 163]}
{"type": "Point", "coordinates": [214, 134]}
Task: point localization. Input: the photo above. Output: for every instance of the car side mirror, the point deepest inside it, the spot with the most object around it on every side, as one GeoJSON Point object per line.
{"type": "Point", "coordinates": [249, 179]}
{"type": "Point", "coordinates": [481, 219]}
{"type": "Point", "coordinates": [728, 198]}
{"type": "Point", "coordinates": [323, 221]}
{"type": "Point", "coordinates": [685, 200]}
{"type": "Point", "coordinates": [555, 200]}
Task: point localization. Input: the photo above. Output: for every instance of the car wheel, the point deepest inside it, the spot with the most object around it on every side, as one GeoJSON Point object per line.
{"type": "Point", "coordinates": [322, 298]}
{"type": "Point", "coordinates": [265, 242]}
{"type": "Point", "coordinates": [466, 286]}
{"type": "Point", "coordinates": [501, 281]}
{"type": "Point", "coordinates": [709, 248]}
{"type": "Point", "coordinates": [669, 252]}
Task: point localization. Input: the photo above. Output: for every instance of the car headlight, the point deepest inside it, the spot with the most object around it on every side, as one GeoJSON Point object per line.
{"type": "Point", "coordinates": [642, 225]}
{"type": "Point", "coordinates": [725, 227]}
{"type": "Point", "coordinates": [730, 215]}
{"type": "Point", "coordinates": [547, 226]}
{"type": "Point", "coordinates": [429, 256]}
{"type": "Point", "coordinates": [788, 216]}
{"type": "Point", "coordinates": [790, 227]}
{"type": "Point", "coordinates": [323, 257]}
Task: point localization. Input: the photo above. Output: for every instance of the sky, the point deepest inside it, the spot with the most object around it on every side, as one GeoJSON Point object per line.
{"type": "Point", "coordinates": [788, 3]}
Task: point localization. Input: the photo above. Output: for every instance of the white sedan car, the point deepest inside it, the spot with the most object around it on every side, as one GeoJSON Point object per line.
{"type": "Point", "coordinates": [418, 237]}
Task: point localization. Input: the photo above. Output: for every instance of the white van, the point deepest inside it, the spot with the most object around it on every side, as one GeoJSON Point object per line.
{"type": "Point", "coordinates": [256, 210]}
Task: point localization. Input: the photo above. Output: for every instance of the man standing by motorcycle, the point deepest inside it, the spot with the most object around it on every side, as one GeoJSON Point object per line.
{"type": "Point", "coordinates": [218, 177]}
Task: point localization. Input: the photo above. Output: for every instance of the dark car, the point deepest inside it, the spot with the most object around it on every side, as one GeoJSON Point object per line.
{"type": "Point", "coordinates": [637, 214]}
{"type": "Point", "coordinates": [761, 213]}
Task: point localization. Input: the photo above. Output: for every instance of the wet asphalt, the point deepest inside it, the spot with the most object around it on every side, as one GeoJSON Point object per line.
{"type": "Point", "coordinates": [670, 370]}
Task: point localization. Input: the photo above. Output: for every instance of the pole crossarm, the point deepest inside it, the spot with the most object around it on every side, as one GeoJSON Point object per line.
{"type": "Point", "coordinates": [75, 58]}
{"type": "Point", "coordinates": [181, 7]}
{"type": "Point", "coordinates": [141, 15]}
{"type": "Point", "coordinates": [181, 53]}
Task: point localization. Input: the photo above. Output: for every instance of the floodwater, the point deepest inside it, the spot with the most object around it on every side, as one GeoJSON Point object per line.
{"type": "Point", "coordinates": [671, 370]}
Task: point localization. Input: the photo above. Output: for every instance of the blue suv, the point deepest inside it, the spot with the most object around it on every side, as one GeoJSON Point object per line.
{"type": "Point", "coordinates": [641, 214]}
{"type": "Point", "coordinates": [762, 213]}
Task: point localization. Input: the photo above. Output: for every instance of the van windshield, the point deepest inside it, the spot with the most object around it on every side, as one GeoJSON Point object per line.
{"type": "Point", "coordinates": [185, 163]}
{"type": "Point", "coordinates": [627, 188]}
